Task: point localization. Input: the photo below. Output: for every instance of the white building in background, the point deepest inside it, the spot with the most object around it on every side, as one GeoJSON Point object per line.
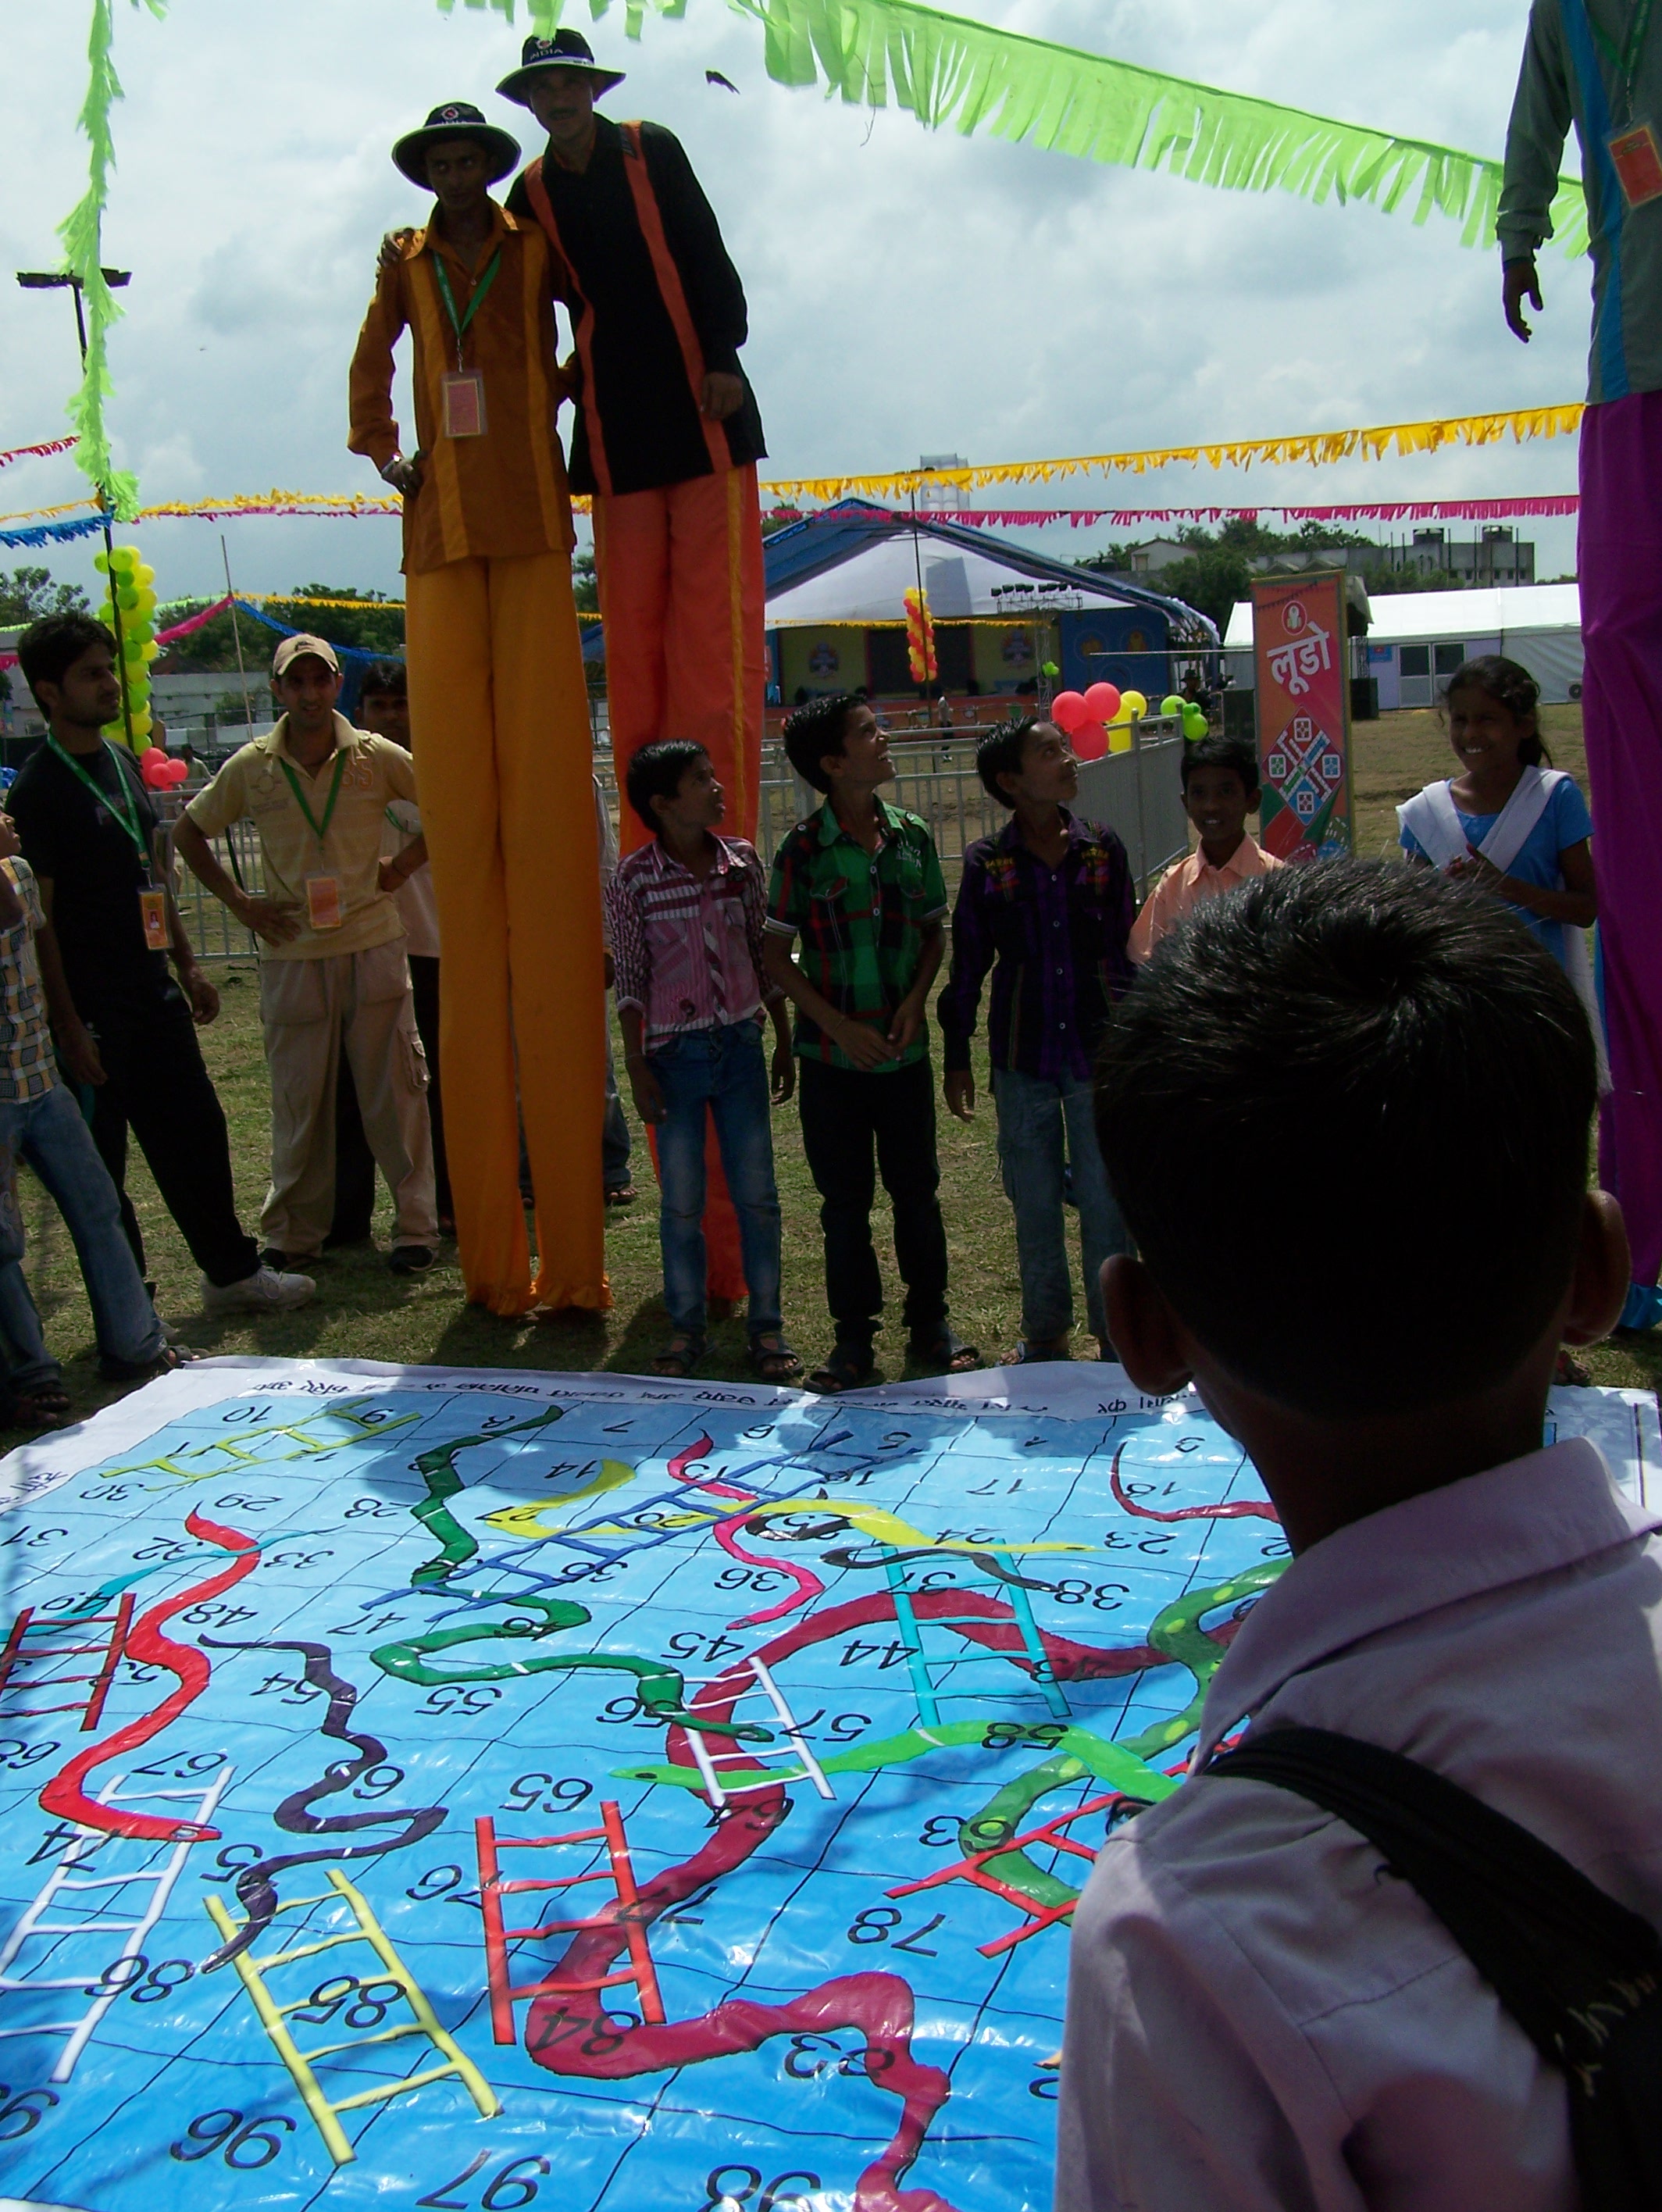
{"type": "Point", "coordinates": [1416, 639]}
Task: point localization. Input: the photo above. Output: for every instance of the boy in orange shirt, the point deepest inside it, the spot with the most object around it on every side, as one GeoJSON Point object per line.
{"type": "Point", "coordinates": [1220, 790]}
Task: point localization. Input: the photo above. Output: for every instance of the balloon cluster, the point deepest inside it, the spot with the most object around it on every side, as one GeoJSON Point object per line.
{"type": "Point", "coordinates": [1190, 713]}
{"type": "Point", "coordinates": [1099, 720]}
{"type": "Point", "coordinates": [131, 593]}
{"type": "Point", "coordinates": [160, 771]}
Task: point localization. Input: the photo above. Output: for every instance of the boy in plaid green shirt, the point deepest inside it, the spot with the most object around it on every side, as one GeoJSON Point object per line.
{"type": "Point", "coordinates": [860, 883]}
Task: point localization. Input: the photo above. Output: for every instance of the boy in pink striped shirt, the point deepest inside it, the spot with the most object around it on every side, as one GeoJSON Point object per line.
{"type": "Point", "coordinates": [687, 913]}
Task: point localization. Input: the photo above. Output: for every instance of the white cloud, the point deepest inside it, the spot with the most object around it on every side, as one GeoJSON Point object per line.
{"type": "Point", "coordinates": [909, 292]}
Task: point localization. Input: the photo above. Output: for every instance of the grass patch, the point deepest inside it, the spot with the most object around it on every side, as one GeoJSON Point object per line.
{"type": "Point", "coordinates": [362, 1312]}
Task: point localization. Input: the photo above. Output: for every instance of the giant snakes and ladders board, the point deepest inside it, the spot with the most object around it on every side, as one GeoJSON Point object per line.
{"type": "Point", "coordinates": [440, 1792]}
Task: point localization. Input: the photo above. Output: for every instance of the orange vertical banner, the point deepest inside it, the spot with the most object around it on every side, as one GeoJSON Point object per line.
{"type": "Point", "coordinates": [1302, 657]}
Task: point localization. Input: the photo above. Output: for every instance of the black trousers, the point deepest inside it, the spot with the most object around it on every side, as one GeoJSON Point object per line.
{"type": "Point", "coordinates": [158, 1088]}
{"type": "Point", "coordinates": [355, 1163]}
{"type": "Point", "coordinates": [846, 1118]}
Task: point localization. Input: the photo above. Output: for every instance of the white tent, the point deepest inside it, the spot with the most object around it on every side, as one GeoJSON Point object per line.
{"type": "Point", "coordinates": [867, 587]}
{"type": "Point", "coordinates": [1418, 638]}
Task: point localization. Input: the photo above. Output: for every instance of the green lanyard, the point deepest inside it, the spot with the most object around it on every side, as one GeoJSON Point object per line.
{"type": "Point", "coordinates": [1625, 60]}
{"type": "Point", "coordinates": [319, 829]}
{"type": "Point", "coordinates": [459, 323]}
{"type": "Point", "coordinates": [124, 808]}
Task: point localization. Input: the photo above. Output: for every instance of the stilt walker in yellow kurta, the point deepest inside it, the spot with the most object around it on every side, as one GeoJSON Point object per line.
{"type": "Point", "coordinates": [499, 713]}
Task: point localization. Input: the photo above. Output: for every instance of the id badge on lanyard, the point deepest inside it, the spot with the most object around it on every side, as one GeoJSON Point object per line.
{"type": "Point", "coordinates": [153, 913]}
{"type": "Point", "coordinates": [323, 901]}
{"type": "Point", "coordinates": [463, 392]}
{"type": "Point", "coordinates": [1637, 160]}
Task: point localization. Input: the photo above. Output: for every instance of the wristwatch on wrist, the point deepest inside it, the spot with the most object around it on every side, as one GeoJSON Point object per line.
{"type": "Point", "coordinates": [386, 473]}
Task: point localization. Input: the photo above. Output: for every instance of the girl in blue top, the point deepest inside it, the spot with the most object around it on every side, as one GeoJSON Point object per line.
{"type": "Point", "coordinates": [1545, 874]}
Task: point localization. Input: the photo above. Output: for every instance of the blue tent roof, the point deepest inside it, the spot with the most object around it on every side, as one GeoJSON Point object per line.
{"type": "Point", "coordinates": [836, 534]}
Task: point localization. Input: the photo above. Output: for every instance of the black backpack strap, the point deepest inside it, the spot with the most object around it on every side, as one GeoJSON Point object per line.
{"type": "Point", "coordinates": [1579, 1974]}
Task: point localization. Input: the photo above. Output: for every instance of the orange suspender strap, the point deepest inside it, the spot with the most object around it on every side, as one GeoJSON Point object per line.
{"type": "Point", "coordinates": [582, 323]}
{"type": "Point", "coordinates": [651, 220]}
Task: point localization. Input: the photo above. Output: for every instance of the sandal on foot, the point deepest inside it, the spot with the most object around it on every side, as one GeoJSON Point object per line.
{"type": "Point", "coordinates": [679, 1355]}
{"type": "Point", "coordinates": [848, 1368]}
{"type": "Point", "coordinates": [1032, 1351]}
{"type": "Point", "coordinates": [45, 1408]}
{"type": "Point", "coordinates": [773, 1358]}
{"type": "Point", "coordinates": [946, 1353]}
{"type": "Point", "coordinates": [167, 1361]}
{"type": "Point", "coordinates": [619, 1193]}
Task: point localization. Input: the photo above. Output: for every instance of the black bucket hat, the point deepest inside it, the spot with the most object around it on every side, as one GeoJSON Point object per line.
{"type": "Point", "coordinates": [566, 49]}
{"type": "Point", "coordinates": [457, 118]}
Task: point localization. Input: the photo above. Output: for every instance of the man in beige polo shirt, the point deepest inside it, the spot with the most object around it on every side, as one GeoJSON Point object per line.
{"type": "Point", "coordinates": [333, 972]}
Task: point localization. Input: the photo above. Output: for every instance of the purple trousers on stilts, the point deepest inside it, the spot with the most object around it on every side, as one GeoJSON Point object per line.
{"type": "Point", "coordinates": [1621, 575]}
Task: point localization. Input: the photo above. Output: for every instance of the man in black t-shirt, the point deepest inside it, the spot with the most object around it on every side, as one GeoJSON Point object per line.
{"type": "Point", "coordinates": [90, 833]}
{"type": "Point", "coordinates": [666, 435]}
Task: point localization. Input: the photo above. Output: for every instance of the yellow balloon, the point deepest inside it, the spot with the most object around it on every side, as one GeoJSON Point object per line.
{"type": "Point", "coordinates": [150, 649]}
{"type": "Point", "coordinates": [146, 573]}
{"type": "Point", "coordinates": [1119, 737]}
{"type": "Point", "coordinates": [1133, 702]}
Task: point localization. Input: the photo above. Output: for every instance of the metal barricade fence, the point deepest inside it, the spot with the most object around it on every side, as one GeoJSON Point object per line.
{"type": "Point", "coordinates": [1138, 793]}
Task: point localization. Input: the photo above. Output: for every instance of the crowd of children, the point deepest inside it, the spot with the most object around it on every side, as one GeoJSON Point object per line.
{"type": "Point", "coordinates": [851, 930]}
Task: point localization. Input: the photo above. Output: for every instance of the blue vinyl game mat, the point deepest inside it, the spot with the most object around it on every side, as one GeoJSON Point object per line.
{"type": "Point", "coordinates": [435, 1790]}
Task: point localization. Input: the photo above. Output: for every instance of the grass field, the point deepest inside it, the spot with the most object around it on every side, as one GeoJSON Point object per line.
{"type": "Point", "coordinates": [362, 1312]}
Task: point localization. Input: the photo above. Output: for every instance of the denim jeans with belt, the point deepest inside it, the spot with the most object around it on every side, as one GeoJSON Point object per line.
{"type": "Point", "coordinates": [725, 1070]}
{"type": "Point", "coordinates": [1039, 1122]}
{"type": "Point", "coordinates": [49, 1133]}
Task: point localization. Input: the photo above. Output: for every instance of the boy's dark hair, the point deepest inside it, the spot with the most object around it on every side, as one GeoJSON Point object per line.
{"type": "Point", "coordinates": [815, 730]}
{"type": "Point", "coordinates": [1238, 753]}
{"type": "Point", "coordinates": [655, 772]}
{"type": "Point", "coordinates": [999, 753]}
{"type": "Point", "coordinates": [384, 679]}
{"type": "Point", "coordinates": [1510, 684]}
{"type": "Point", "coordinates": [1384, 1060]}
{"type": "Point", "coordinates": [49, 647]}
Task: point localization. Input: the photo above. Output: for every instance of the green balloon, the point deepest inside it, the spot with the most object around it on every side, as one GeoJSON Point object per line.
{"type": "Point", "coordinates": [1195, 724]}
{"type": "Point", "coordinates": [1049, 668]}
{"type": "Point", "coordinates": [1173, 703]}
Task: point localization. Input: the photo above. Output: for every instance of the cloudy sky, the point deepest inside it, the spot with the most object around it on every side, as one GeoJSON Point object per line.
{"type": "Point", "coordinates": [910, 292]}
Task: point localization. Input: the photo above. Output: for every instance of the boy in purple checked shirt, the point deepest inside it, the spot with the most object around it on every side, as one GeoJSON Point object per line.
{"type": "Point", "coordinates": [1048, 906]}
{"type": "Point", "coordinates": [687, 914]}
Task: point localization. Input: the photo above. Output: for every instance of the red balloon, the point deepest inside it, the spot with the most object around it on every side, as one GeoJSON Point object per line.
{"type": "Point", "coordinates": [177, 770]}
{"type": "Point", "coordinates": [1102, 703]}
{"type": "Point", "coordinates": [155, 773]}
{"type": "Point", "coordinates": [1068, 711]}
{"type": "Point", "coordinates": [1090, 739]}
{"type": "Point", "coordinates": [151, 753]}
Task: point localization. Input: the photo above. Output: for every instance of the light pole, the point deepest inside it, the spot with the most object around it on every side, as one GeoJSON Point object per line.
{"type": "Point", "coordinates": [61, 280]}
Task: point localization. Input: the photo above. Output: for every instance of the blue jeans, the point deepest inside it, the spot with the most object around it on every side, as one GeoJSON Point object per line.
{"type": "Point", "coordinates": [1039, 1121]}
{"type": "Point", "coordinates": [614, 1131]}
{"type": "Point", "coordinates": [49, 1133]}
{"type": "Point", "coordinates": [725, 1070]}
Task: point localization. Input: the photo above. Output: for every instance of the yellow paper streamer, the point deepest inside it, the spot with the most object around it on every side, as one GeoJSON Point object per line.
{"type": "Point", "coordinates": [1315, 446]}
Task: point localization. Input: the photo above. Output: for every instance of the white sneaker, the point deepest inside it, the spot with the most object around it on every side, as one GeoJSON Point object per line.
{"type": "Point", "coordinates": [263, 1291]}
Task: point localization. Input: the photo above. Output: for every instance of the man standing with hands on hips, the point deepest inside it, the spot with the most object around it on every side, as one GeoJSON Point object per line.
{"type": "Point", "coordinates": [499, 710]}
{"type": "Point", "coordinates": [333, 969]}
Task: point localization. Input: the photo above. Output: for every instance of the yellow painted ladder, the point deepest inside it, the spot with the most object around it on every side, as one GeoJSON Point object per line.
{"type": "Point", "coordinates": [301, 2063]}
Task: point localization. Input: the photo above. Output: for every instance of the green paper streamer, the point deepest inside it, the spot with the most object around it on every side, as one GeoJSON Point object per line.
{"type": "Point", "coordinates": [946, 69]}
{"type": "Point", "coordinates": [83, 233]}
